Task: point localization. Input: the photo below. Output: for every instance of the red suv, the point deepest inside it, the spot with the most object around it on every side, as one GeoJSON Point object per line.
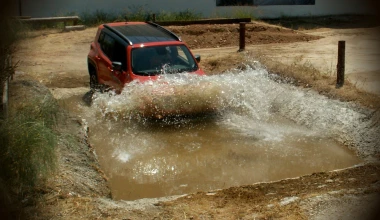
{"type": "Point", "coordinates": [126, 51]}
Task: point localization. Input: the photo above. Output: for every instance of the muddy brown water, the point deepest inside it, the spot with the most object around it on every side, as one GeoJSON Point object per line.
{"type": "Point", "coordinates": [240, 144]}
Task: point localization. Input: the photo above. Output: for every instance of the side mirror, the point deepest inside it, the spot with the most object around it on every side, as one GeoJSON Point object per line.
{"type": "Point", "coordinates": [198, 58]}
{"type": "Point", "coordinates": [116, 66]}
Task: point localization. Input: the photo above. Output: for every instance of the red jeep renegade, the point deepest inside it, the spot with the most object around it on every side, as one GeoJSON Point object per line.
{"type": "Point", "coordinates": [126, 51]}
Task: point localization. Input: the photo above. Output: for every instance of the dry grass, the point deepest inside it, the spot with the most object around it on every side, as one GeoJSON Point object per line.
{"type": "Point", "coordinates": [221, 63]}
{"type": "Point", "coordinates": [28, 143]}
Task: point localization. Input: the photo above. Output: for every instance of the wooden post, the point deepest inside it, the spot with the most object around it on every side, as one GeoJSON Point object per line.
{"type": "Point", "coordinates": [8, 63]}
{"type": "Point", "coordinates": [5, 99]}
{"type": "Point", "coordinates": [154, 17]}
{"type": "Point", "coordinates": [242, 37]}
{"type": "Point", "coordinates": [19, 8]}
{"type": "Point", "coordinates": [341, 63]}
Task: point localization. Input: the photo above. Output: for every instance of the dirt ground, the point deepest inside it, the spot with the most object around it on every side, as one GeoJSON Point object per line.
{"type": "Point", "coordinates": [57, 61]}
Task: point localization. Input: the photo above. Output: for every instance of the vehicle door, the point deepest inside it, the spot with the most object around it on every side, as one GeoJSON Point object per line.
{"type": "Point", "coordinates": [120, 57]}
{"type": "Point", "coordinates": [104, 60]}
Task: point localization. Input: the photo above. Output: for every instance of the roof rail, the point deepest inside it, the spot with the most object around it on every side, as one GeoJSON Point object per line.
{"type": "Point", "coordinates": [118, 34]}
{"type": "Point", "coordinates": [164, 29]}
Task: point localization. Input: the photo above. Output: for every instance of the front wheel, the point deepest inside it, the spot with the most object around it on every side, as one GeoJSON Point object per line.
{"type": "Point", "coordinates": [94, 84]}
{"type": "Point", "coordinates": [93, 81]}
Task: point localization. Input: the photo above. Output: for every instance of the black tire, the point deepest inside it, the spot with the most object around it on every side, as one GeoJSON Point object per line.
{"type": "Point", "coordinates": [94, 84]}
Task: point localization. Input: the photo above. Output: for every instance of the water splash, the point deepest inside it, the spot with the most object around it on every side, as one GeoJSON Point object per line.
{"type": "Point", "coordinates": [249, 101]}
{"type": "Point", "coordinates": [171, 94]}
{"type": "Point", "coordinates": [259, 124]}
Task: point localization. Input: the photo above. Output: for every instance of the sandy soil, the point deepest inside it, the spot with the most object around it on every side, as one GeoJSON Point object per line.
{"type": "Point", "coordinates": [79, 188]}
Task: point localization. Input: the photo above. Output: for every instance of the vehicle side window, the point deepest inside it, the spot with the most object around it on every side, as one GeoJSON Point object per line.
{"type": "Point", "coordinates": [120, 54]}
{"type": "Point", "coordinates": [101, 37]}
{"type": "Point", "coordinates": [107, 44]}
{"type": "Point", "coordinates": [185, 56]}
{"type": "Point", "coordinates": [181, 53]}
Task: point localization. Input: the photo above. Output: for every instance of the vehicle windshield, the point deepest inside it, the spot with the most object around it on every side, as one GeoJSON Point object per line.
{"type": "Point", "coordinates": [150, 61]}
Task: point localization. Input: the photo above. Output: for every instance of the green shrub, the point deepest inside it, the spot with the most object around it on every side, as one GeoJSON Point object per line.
{"type": "Point", "coordinates": [238, 12]}
{"type": "Point", "coordinates": [186, 15]}
{"type": "Point", "coordinates": [133, 13]}
{"type": "Point", "coordinates": [136, 13]}
{"type": "Point", "coordinates": [244, 13]}
{"type": "Point", "coordinates": [96, 18]}
{"type": "Point", "coordinates": [9, 34]}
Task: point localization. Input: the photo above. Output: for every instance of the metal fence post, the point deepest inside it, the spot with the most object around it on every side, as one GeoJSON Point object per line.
{"type": "Point", "coordinates": [341, 64]}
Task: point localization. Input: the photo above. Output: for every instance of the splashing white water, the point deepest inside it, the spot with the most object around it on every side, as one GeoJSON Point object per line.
{"type": "Point", "coordinates": [248, 101]}
{"type": "Point", "coordinates": [169, 95]}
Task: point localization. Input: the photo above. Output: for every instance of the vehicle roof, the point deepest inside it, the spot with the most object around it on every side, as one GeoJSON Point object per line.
{"type": "Point", "coordinates": [142, 32]}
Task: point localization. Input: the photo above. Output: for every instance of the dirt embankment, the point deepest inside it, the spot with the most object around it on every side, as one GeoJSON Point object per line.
{"type": "Point", "coordinates": [215, 36]}
{"type": "Point", "coordinates": [78, 190]}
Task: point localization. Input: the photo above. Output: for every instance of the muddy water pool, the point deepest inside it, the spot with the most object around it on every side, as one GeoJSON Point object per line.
{"type": "Point", "coordinates": [247, 139]}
